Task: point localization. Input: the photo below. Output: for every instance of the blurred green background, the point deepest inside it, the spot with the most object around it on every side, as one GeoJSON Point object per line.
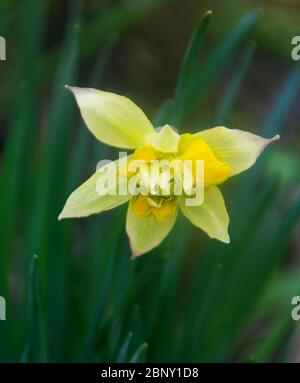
{"type": "Point", "coordinates": [72, 292]}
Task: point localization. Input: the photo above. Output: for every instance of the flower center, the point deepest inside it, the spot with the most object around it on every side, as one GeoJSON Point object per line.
{"type": "Point", "coordinates": [161, 208]}
{"type": "Point", "coordinates": [158, 174]}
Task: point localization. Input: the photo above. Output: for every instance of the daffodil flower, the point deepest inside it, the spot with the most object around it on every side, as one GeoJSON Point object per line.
{"type": "Point", "coordinates": [117, 121]}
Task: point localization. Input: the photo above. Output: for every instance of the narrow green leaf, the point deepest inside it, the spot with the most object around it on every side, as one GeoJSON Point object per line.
{"type": "Point", "coordinates": [10, 183]}
{"type": "Point", "coordinates": [234, 87]}
{"type": "Point", "coordinates": [165, 113]}
{"type": "Point", "coordinates": [264, 351]}
{"type": "Point", "coordinates": [36, 349]}
{"type": "Point", "coordinates": [123, 353]}
{"type": "Point", "coordinates": [140, 355]}
{"type": "Point", "coordinates": [43, 225]}
{"type": "Point", "coordinates": [31, 34]}
{"type": "Point", "coordinates": [14, 162]}
{"type": "Point", "coordinates": [273, 125]}
{"type": "Point", "coordinates": [285, 98]}
{"type": "Point", "coordinates": [96, 320]}
{"type": "Point", "coordinates": [215, 64]}
{"type": "Point", "coordinates": [189, 64]}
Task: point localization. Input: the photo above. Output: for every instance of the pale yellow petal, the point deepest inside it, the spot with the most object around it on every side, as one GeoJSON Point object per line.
{"type": "Point", "coordinates": [147, 232]}
{"type": "Point", "coordinates": [113, 119]}
{"type": "Point", "coordinates": [87, 199]}
{"type": "Point", "coordinates": [211, 216]}
{"type": "Point", "coordinates": [165, 139]}
{"type": "Point", "coordinates": [238, 148]}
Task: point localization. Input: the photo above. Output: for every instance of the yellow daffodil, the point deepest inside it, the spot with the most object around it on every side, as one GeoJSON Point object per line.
{"type": "Point", "coordinates": [117, 121]}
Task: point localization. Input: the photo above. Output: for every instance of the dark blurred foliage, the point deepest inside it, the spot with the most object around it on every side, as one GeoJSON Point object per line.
{"type": "Point", "coordinates": [171, 297]}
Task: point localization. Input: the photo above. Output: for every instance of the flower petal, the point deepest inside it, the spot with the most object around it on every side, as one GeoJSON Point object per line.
{"type": "Point", "coordinates": [87, 200]}
{"type": "Point", "coordinates": [194, 148]}
{"type": "Point", "coordinates": [238, 148]}
{"type": "Point", "coordinates": [147, 232]}
{"type": "Point", "coordinates": [113, 119]}
{"type": "Point", "coordinates": [164, 140]}
{"type": "Point", "coordinates": [211, 216]}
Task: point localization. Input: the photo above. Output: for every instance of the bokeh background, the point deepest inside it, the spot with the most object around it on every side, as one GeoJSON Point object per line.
{"type": "Point", "coordinates": [72, 292]}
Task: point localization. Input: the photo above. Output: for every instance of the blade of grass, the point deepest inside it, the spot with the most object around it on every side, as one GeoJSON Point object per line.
{"type": "Point", "coordinates": [140, 355]}
{"type": "Point", "coordinates": [189, 64]}
{"type": "Point", "coordinates": [264, 351]}
{"type": "Point", "coordinates": [273, 125]}
{"type": "Point", "coordinates": [59, 143]}
{"type": "Point", "coordinates": [234, 87]}
{"type": "Point", "coordinates": [254, 274]}
{"type": "Point", "coordinates": [43, 225]}
{"type": "Point", "coordinates": [124, 349]}
{"type": "Point", "coordinates": [10, 182]}
{"type": "Point", "coordinates": [283, 102]}
{"type": "Point", "coordinates": [14, 163]}
{"type": "Point", "coordinates": [36, 349]}
{"type": "Point", "coordinates": [165, 113]}
{"type": "Point", "coordinates": [97, 315]}
{"type": "Point", "coordinates": [210, 71]}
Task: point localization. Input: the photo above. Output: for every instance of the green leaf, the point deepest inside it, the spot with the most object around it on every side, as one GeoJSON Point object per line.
{"type": "Point", "coordinates": [281, 106]}
{"type": "Point", "coordinates": [43, 225]}
{"type": "Point", "coordinates": [273, 125]}
{"type": "Point", "coordinates": [10, 182]}
{"type": "Point", "coordinates": [140, 355]}
{"type": "Point", "coordinates": [96, 320]}
{"type": "Point", "coordinates": [165, 113]}
{"type": "Point", "coordinates": [234, 87]}
{"type": "Point", "coordinates": [215, 64]}
{"type": "Point", "coordinates": [14, 162]}
{"type": "Point", "coordinates": [189, 64]}
{"type": "Point", "coordinates": [265, 350]}
{"type": "Point", "coordinates": [123, 353]}
{"type": "Point", "coordinates": [36, 350]}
